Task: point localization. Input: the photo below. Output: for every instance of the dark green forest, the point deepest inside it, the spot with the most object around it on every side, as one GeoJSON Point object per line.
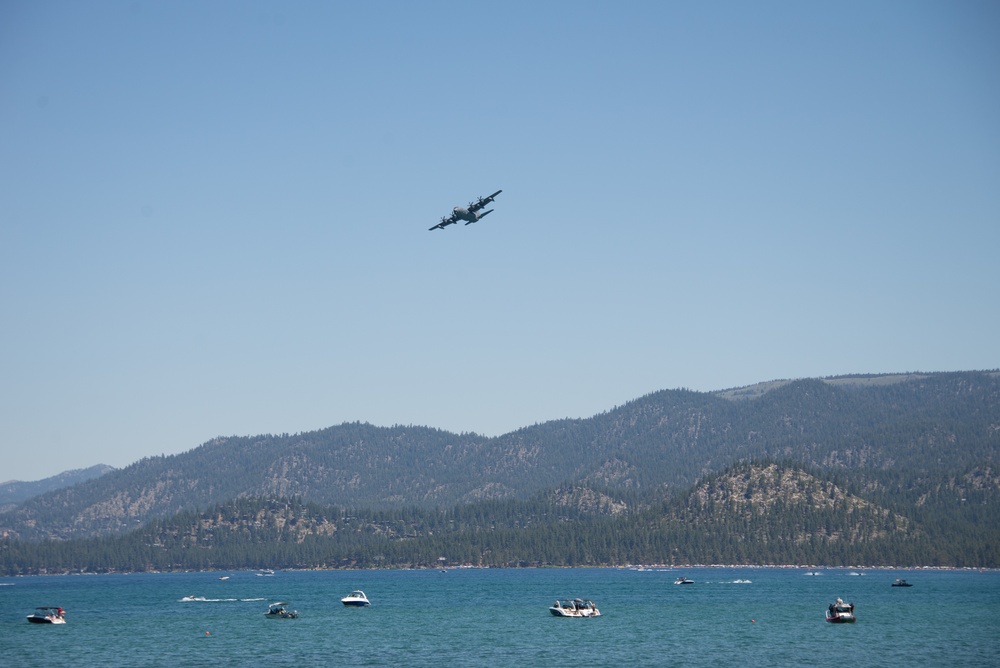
{"type": "Point", "coordinates": [702, 527]}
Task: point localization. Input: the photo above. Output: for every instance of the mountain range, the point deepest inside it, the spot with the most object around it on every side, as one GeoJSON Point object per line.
{"type": "Point", "coordinates": [884, 459]}
{"type": "Point", "coordinates": [14, 492]}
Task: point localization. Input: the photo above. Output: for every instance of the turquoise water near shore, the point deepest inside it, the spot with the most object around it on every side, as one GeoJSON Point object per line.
{"type": "Point", "coordinates": [499, 617]}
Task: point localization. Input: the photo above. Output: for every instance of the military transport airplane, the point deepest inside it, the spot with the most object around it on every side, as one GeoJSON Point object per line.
{"type": "Point", "coordinates": [469, 214]}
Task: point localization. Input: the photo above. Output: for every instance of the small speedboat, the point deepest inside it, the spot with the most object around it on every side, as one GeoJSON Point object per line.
{"type": "Point", "coordinates": [578, 607]}
{"type": "Point", "coordinates": [356, 599]}
{"type": "Point", "coordinates": [683, 581]}
{"type": "Point", "coordinates": [279, 611]}
{"type": "Point", "coordinates": [48, 615]}
{"type": "Point", "coordinates": [901, 583]}
{"type": "Point", "coordinates": [840, 612]}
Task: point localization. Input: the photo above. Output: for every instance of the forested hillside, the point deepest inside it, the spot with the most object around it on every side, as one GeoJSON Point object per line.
{"type": "Point", "coordinates": [761, 513]}
{"type": "Point", "coordinates": [917, 454]}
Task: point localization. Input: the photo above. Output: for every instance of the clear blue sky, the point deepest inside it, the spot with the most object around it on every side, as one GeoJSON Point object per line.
{"type": "Point", "coordinates": [213, 215]}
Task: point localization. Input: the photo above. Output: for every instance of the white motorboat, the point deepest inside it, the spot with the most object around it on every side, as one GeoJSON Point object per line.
{"type": "Point", "coordinates": [577, 607]}
{"type": "Point", "coordinates": [840, 612]}
{"type": "Point", "coordinates": [683, 581]}
{"type": "Point", "coordinates": [279, 611]}
{"type": "Point", "coordinates": [48, 615]}
{"type": "Point", "coordinates": [356, 599]}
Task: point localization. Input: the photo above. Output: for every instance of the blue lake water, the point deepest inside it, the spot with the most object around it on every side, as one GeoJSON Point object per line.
{"type": "Point", "coordinates": [500, 617]}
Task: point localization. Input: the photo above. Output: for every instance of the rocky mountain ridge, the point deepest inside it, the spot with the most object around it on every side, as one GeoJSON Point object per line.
{"type": "Point", "coordinates": [909, 439]}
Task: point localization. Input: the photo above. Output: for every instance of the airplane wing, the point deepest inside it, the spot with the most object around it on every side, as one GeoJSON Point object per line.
{"type": "Point", "coordinates": [483, 201]}
{"type": "Point", "coordinates": [445, 222]}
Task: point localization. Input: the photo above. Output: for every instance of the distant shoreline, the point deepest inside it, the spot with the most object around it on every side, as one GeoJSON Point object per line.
{"type": "Point", "coordinates": [861, 570]}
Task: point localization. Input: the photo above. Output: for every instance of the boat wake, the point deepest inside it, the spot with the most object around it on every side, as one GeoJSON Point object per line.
{"type": "Point", "coordinates": [202, 599]}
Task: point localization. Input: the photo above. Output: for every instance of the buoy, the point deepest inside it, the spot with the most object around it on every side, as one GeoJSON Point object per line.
{"type": "Point", "coordinates": [753, 621]}
{"type": "Point", "coordinates": [207, 633]}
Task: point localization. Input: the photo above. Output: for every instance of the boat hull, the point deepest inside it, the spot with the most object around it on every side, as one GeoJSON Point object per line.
{"type": "Point", "coordinates": [557, 612]}
{"type": "Point", "coordinates": [356, 599]}
{"type": "Point", "coordinates": [839, 612]}
{"type": "Point", "coordinates": [841, 619]}
{"type": "Point", "coordinates": [575, 608]}
{"type": "Point", "coordinates": [45, 620]}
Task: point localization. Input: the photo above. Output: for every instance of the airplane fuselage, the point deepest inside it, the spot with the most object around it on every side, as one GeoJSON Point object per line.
{"type": "Point", "coordinates": [461, 213]}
